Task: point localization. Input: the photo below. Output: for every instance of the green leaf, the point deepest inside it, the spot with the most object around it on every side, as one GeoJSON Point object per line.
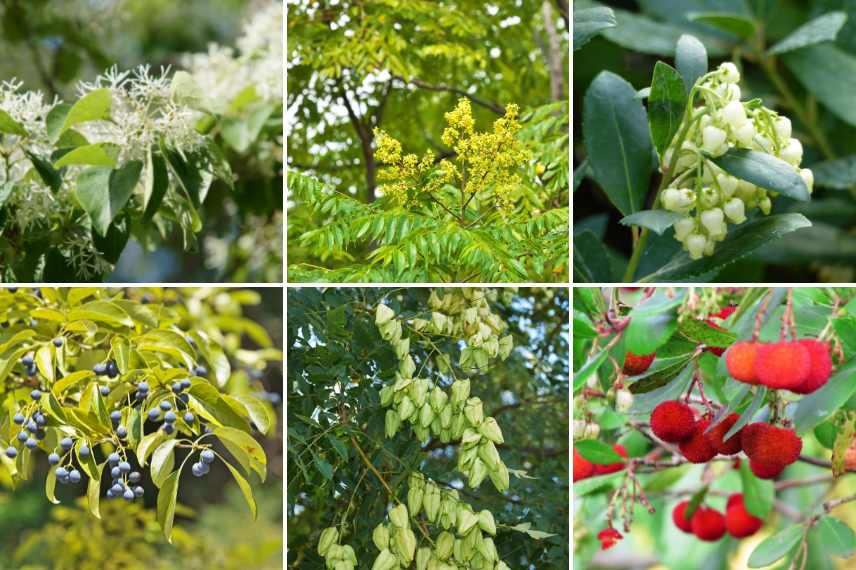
{"type": "Point", "coordinates": [324, 467]}
{"type": "Point", "coordinates": [652, 323]}
{"type": "Point", "coordinates": [740, 242]}
{"type": "Point", "coordinates": [775, 547]}
{"type": "Point", "coordinates": [11, 126]}
{"type": "Point", "coordinates": [155, 184]}
{"type": "Point", "coordinates": [836, 536]}
{"type": "Point", "coordinates": [758, 494]}
{"type": "Point", "coordinates": [644, 404]}
{"type": "Point", "coordinates": [589, 22]}
{"type": "Point", "coordinates": [246, 490]}
{"type": "Point", "coordinates": [46, 171]}
{"type": "Point", "coordinates": [658, 221]}
{"type": "Point", "coordinates": [690, 59]}
{"type": "Point", "coordinates": [44, 362]}
{"type": "Point", "coordinates": [93, 492]}
{"type": "Point", "coordinates": [740, 26]}
{"type": "Point", "coordinates": [748, 413]}
{"type": "Point", "coordinates": [163, 460]}
{"type": "Point", "coordinates": [764, 170]}
{"type": "Point", "coordinates": [50, 486]}
{"type": "Point", "coordinates": [701, 333]}
{"type": "Point", "coordinates": [55, 120]}
{"type": "Point", "coordinates": [242, 444]}
{"type": "Point", "coordinates": [617, 140]}
{"type": "Point", "coordinates": [257, 411]}
{"type": "Point", "coordinates": [667, 104]}
{"type": "Point", "coordinates": [103, 192]}
{"type": "Point", "coordinates": [590, 367]}
{"type": "Point", "coordinates": [597, 452]}
{"type": "Point", "coordinates": [591, 259]}
{"type": "Point", "coordinates": [93, 106]}
{"type": "Point", "coordinates": [838, 174]}
{"type": "Point", "coordinates": [93, 155]}
{"type": "Point", "coordinates": [829, 74]}
{"type": "Point", "coordinates": [166, 503]}
{"type": "Point", "coordinates": [824, 28]}
{"type": "Point", "coordinates": [818, 406]}
{"type": "Point", "coordinates": [191, 174]}
{"type": "Point", "coordinates": [592, 484]}
{"type": "Point", "coordinates": [147, 444]}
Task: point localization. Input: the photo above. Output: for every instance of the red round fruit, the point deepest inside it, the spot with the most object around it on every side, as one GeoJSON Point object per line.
{"type": "Point", "coordinates": [635, 364]}
{"type": "Point", "coordinates": [583, 468]}
{"type": "Point", "coordinates": [708, 524]}
{"type": "Point", "coordinates": [770, 445]}
{"type": "Point", "coordinates": [612, 467]}
{"type": "Point", "coordinates": [680, 519]}
{"type": "Point", "coordinates": [766, 470]}
{"type": "Point", "coordinates": [608, 537]}
{"type": "Point", "coordinates": [782, 365]}
{"type": "Point", "coordinates": [821, 366]}
{"type": "Point", "coordinates": [697, 449]}
{"type": "Point", "coordinates": [673, 421]}
{"type": "Point", "coordinates": [740, 361]}
{"type": "Point", "coordinates": [739, 522]}
{"type": "Point", "coordinates": [715, 436]}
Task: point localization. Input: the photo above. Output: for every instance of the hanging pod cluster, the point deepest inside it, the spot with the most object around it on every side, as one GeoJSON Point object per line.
{"type": "Point", "coordinates": [462, 543]}
{"type": "Point", "coordinates": [336, 556]}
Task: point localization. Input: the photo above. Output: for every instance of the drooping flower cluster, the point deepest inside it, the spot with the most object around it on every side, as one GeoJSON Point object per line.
{"type": "Point", "coordinates": [709, 197]}
{"type": "Point", "coordinates": [485, 162]}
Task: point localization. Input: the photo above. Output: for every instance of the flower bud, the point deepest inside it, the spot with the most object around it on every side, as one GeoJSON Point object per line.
{"type": "Point", "coordinates": [745, 133]}
{"type": "Point", "coordinates": [713, 221]}
{"type": "Point", "coordinates": [708, 197]}
{"type": "Point", "coordinates": [735, 210]}
{"type": "Point", "coordinates": [623, 400]}
{"type": "Point", "coordinates": [734, 114]}
{"type": "Point", "coordinates": [670, 199]}
{"type": "Point", "coordinates": [683, 228]}
{"type": "Point", "coordinates": [765, 205]}
{"type": "Point", "coordinates": [729, 72]}
{"type": "Point", "coordinates": [745, 190]}
{"type": "Point", "coordinates": [713, 140]}
{"type": "Point", "coordinates": [579, 429]}
{"type": "Point", "coordinates": [808, 177]}
{"type": "Point", "coordinates": [728, 184]}
{"type": "Point", "coordinates": [782, 126]}
{"type": "Point", "coordinates": [709, 247]}
{"type": "Point", "coordinates": [592, 430]}
{"type": "Point", "coordinates": [792, 152]}
{"type": "Point", "coordinates": [695, 245]}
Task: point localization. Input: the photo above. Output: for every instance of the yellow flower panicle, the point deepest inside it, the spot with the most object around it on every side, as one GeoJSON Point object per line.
{"type": "Point", "coordinates": [484, 163]}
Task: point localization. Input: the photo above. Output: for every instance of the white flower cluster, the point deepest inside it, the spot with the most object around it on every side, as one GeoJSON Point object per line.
{"type": "Point", "coordinates": [143, 112]}
{"type": "Point", "coordinates": [699, 185]}
{"type": "Point", "coordinates": [222, 74]}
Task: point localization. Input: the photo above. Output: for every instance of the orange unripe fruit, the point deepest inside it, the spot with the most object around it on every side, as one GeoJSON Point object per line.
{"type": "Point", "coordinates": [820, 367]}
{"type": "Point", "coordinates": [782, 365]}
{"type": "Point", "coordinates": [740, 361]}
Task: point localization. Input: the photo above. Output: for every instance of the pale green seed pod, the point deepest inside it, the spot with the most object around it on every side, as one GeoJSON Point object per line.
{"type": "Point", "coordinates": [386, 394]}
{"type": "Point", "coordinates": [473, 540]}
{"type": "Point", "coordinates": [329, 536]}
{"type": "Point", "coordinates": [418, 392]}
{"type": "Point", "coordinates": [490, 429]}
{"type": "Point", "coordinates": [474, 411]}
{"type": "Point", "coordinates": [405, 543]}
{"type": "Point", "coordinates": [426, 416]}
{"type": "Point", "coordinates": [406, 408]}
{"type": "Point", "coordinates": [422, 434]}
{"type": "Point", "coordinates": [398, 516]}
{"type": "Point", "coordinates": [446, 416]}
{"type": "Point", "coordinates": [402, 382]}
{"type": "Point", "coordinates": [477, 473]}
{"type": "Point", "coordinates": [383, 314]}
{"type": "Point", "coordinates": [438, 399]}
{"type": "Point", "coordinates": [489, 454]}
{"type": "Point", "coordinates": [402, 348]}
{"type": "Point", "coordinates": [386, 560]}
{"type": "Point", "coordinates": [499, 477]}
{"type": "Point", "coordinates": [444, 544]}
{"type": "Point", "coordinates": [334, 553]}
{"type": "Point", "coordinates": [432, 502]}
{"type": "Point", "coordinates": [380, 536]}
{"type": "Point", "coordinates": [466, 520]}
{"type": "Point", "coordinates": [343, 565]}
{"type": "Point", "coordinates": [506, 345]}
{"type": "Point", "coordinates": [436, 427]}
{"type": "Point", "coordinates": [488, 550]}
{"type": "Point", "coordinates": [459, 424]}
{"type": "Point", "coordinates": [423, 555]}
{"type": "Point", "coordinates": [502, 566]}
{"type": "Point", "coordinates": [392, 423]}
{"type": "Point", "coordinates": [458, 551]}
{"type": "Point", "coordinates": [407, 367]}
{"type": "Point", "coordinates": [417, 480]}
{"type": "Point", "coordinates": [414, 500]}
{"type": "Point", "coordinates": [471, 436]}
{"type": "Point", "coordinates": [348, 554]}
{"type": "Point", "coordinates": [460, 392]}
{"type": "Point", "coordinates": [486, 522]}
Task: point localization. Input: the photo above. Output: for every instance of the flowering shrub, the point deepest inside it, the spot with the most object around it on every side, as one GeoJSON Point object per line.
{"type": "Point", "coordinates": [136, 154]}
{"type": "Point", "coordinates": [120, 385]}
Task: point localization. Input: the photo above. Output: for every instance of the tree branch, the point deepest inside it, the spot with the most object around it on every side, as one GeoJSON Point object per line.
{"type": "Point", "coordinates": [495, 107]}
{"type": "Point", "coordinates": [553, 53]}
{"type": "Point", "coordinates": [365, 143]}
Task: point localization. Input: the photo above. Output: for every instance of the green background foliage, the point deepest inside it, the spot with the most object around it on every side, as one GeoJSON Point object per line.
{"type": "Point", "coordinates": [236, 333]}
{"type": "Point", "coordinates": [799, 57]}
{"type": "Point", "coordinates": [337, 364]}
{"type": "Point", "coordinates": [400, 66]}
{"type": "Point", "coordinates": [669, 326]}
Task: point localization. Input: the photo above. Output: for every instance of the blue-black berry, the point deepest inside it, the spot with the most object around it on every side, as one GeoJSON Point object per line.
{"type": "Point", "coordinates": [105, 391]}
{"type": "Point", "coordinates": [115, 473]}
{"type": "Point", "coordinates": [100, 369]}
{"type": "Point", "coordinates": [36, 395]}
{"type": "Point", "coordinates": [154, 414]}
{"type": "Point", "coordinates": [201, 371]}
{"type": "Point", "coordinates": [83, 451]}
{"type": "Point", "coordinates": [199, 469]}
{"type": "Point", "coordinates": [31, 443]}
{"type": "Point", "coordinates": [139, 491]}
{"type": "Point", "coordinates": [117, 489]}
{"type": "Point", "coordinates": [165, 406]}
{"type": "Point", "coordinates": [185, 384]}
{"type": "Point", "coordinates": [125, 467]}
{"type": "Point", "coordinates": [22, 436]}
{"type": "Point", "coordinates": [11, 452]}
{"type": "Point", "coordinates": [168, 428]}
{"type": "Point", "coordinates": [74, 476]}
{"type": "Point", "coordinates": [61, 472]}
{"type": "Point", "coordinates": [188, 417]}
{"type": "Point", "coordinates": [66, 443]}
{"type": "Point", "coordinates": [113, 458]}
{"type": "Point", "coordinates": [207, 456]}
{"type": "Point", "coordinates": [122, 432]}
{"type": "Point", "coordinates": [53, 459]}
{"type": "Point", "coordinates": [27, 360]}
{"type": "Point", "coordinates": [19, 419]}
{"type": "Point", "coordinates": [169, 417]}
{"type": "Point", "coordinates": [112, 369]}
{"type": "Point", "coordinates": [57, 342]}
{"type": "Point", "coordinates": [135, 477]}
{"type": "Point", "coordinates": [129, 494]}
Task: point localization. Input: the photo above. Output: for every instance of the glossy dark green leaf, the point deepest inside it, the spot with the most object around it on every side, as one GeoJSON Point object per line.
{"type": "Point", "coordinates": [829, 74]}
{"type": "Point", "coordinates": [824, 28]}
{"type": "Point", "coordinates": [11, 126]}
{"type": "Point", "coordinates": [658, 221]}
{"type": "Point", "coordinates": [103, 192]}
{"type": "Point", "coordinates": [615, 132]}
{"type": "Point", "coordinates": [740, 26]}
{"type": "Point", "coordinates": [740, 242]}
{"type": "Point", "coordinates": [590, 367]}
{"type": "Point", "coordinates": [155, 184]}
{"type": "Point", "coordinates": [589, 22]}
{"type": "Point", "coordinates": [167, 497]}
{"type": "Point", "coordinates": [46, 171]}
{"type": "Point", "coordinates": [652, 323]}
{"type": "Point", "coordinates": [818, 406]}
{"type": "Point", "coordinates": [838, 174]}
{"type": "Point", "coordinates": [667, 104]}
{"type": "Point", "coordinates": [702, 333]}
{"type": "Point", "coordinates": [758, 494]}
{"type": "Point", "coordinates": [776, 546]}
{"type": "Point", "coordinates": [764, 170]}
{"type": "Point", "coordinates": [591, 259]}
{"type": "Point", "coordinates": [690, 60]}
{"type": "Point", "coordinates": [644, 404]}
{"type": "Point", "coordinates": [597, 452]}
{"type": "Point", "coordinates": [748, 413]}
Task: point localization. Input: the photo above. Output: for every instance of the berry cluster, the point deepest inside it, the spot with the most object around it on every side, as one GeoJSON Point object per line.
{"type": "Point", "coordinates": [710, 525]}
{"type": "Point", "coordinates": [770, 449]}
{"type": "Point", "coordinates": [801, 366]}
{"type": "Point", "coordinates": [123, 479]}
{"type": "Point", "coordinates": [699, 185]}
{"type": "Point", "coordinates": [33, 423]}
{"type": "Point", "coordinates": [583, 468]}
